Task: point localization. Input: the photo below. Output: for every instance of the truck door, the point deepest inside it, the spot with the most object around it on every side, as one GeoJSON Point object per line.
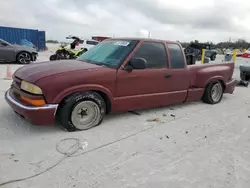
{"type": "Point", "coordinates": [180, 75]}
{"type": "Point", "coordinates": [145, 88]}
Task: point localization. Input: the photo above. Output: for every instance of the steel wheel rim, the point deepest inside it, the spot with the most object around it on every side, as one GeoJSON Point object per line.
{"type": "Point", "coordinates": [85, 114]}
{"type": "Point", "coordinates": [216, 92]}
{"type": "Point", "coordinates": [24, 58]}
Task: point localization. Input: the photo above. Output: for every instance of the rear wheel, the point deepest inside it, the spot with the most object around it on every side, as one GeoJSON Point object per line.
{"type": "Point", "coordinates": [213, 93]}
{"type": "Point", "coordinates": [82, 111]}
{"type": "Point", "coordinates": [213, 57]}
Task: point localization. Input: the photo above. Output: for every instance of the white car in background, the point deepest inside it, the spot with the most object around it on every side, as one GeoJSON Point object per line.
{"type": "Point", "coordinates": [84, 43]}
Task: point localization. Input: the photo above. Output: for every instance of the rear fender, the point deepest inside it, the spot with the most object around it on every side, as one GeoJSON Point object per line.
{"type": "Point", "coordinates": [209, 73]}
{"type": "Point", "coordinates": [82, 88]}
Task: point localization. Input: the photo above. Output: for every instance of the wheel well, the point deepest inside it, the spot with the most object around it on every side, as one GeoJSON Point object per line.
{"type": "Point", "coordinates": [102, 94]}
{"type": "Point", "coordinates": [22, 52]}
{"type": "Point", "coordinates": [221, 81]}
{"type": "Point", "coordinates": [106, 99]}
{"type": "Point", "coordinates": [223, 84]}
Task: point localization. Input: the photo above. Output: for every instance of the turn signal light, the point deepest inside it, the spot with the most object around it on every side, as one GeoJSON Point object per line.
{"type": "Point", "coordinates": [34, 102]}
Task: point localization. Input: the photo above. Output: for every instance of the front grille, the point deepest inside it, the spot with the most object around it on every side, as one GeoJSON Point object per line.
{"type": "Point", "coordinates": [16, 82]}
{"type": "Point", "coordinates": [15, 93]}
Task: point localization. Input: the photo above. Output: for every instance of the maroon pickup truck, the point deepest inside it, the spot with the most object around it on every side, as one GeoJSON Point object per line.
{"type": "Point", "coordinates": [117, 75]}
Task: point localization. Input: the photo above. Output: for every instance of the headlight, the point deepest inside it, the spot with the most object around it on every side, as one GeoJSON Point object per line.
{"type": "Point", "coordinates": [31, 88]}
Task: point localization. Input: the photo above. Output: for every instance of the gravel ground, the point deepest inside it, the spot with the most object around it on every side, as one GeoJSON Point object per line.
{"type": "Point", "coordinates": [191, 145]}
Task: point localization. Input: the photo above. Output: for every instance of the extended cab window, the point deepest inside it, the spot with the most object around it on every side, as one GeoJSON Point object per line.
{"type": "Point", "coordinates": [176, 56]}
{"type": "Point", "coordinates": [154, 53]}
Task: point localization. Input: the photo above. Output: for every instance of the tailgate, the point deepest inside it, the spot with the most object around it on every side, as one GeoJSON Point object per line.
{"type": "Point", "coordinates": [201, 75]}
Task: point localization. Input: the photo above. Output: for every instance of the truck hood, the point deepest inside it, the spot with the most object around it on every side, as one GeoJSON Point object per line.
{"type": "Point", "coordinates": [34, 72]}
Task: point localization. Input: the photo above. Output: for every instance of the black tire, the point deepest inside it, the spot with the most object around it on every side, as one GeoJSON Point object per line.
{"type": "Point", "coordinates": [213, 57]}
{"type": "Point", "coordinates": [82, 52]}
{"type": "Point", "coordinates": [206, 60]}
{"type": "Point", "coordinates": [207, 96]}
{"type": "Point", "coordinates": [243, 76]}
{"type": "Point", "coordinates": [198, 58]}
{"type": "Point", "coordinates": [53, 57]}
{"type": "Point", "coordinates": [66, 112]}
{"type": "Point", "coordinates": [62, 54]}
{"type": "Point", "coordinates": [24, 58]}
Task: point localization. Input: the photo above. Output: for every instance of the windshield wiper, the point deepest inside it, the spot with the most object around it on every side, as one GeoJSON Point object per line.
{"type": "Point", "coordinates": [94, 62]}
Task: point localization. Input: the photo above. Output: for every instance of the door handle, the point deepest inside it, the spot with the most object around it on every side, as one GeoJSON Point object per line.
{"type": "Point", "coordinates": [167, 76]}
{"type": "Point", "coordinates": [133, 76]}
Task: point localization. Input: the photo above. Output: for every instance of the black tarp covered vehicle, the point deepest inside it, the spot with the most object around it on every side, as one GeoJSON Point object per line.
{"type": "Point", "coordinates": [193, 52]}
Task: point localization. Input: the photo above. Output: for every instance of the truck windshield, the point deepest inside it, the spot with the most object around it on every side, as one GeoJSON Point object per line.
{"type": "Point", "coordinates": [110, 53]}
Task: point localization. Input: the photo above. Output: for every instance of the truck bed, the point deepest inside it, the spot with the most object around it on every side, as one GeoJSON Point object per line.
{"type": "Point", "coordinates": [201, 75]}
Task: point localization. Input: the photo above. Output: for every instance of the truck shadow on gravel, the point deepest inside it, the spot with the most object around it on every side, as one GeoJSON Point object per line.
{"type": "Point", "coordinates": [13, 122]}
{"type": "Point", "coordinates": [173, 111]}
{"type": "Point", "coordinates": [145, 114]}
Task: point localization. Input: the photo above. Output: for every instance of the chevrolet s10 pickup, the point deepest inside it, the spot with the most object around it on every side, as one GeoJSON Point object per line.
{"type": "Point", "coordinates": [117, 75]}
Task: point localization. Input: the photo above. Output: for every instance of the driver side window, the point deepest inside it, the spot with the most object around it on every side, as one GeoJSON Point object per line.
{"type": "Point", "coordinates": [154, 53]}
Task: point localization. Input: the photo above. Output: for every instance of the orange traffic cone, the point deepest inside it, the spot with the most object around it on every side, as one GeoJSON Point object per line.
{"type": "Point", "coordinates": [8, 73]}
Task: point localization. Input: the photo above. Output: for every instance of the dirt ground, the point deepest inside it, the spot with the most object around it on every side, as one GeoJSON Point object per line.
{"type": "Point", "coordinates": [190, 145]}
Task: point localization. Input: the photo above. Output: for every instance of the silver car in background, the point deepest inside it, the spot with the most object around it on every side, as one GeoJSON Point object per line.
{"type": "Point", "coordinates": [16, 53]}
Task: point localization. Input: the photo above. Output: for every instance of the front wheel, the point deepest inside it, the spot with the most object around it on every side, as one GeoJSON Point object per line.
{"type": "Point", "coordinates": [24, 58]}
{"type": "Point", "coordinates": [53, 57]}
{"type": "Point", "coordinates": [198, 58]}
{"type": "Point", "coordinates": [82, 111]}
{"type": "Point", "coordinates": [82, 52]}
{"type": "Point", "coordinates": [213, 93]}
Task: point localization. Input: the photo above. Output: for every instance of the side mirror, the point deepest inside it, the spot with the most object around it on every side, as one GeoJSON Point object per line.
{"type": "Point", "coordinates": [136, 63]}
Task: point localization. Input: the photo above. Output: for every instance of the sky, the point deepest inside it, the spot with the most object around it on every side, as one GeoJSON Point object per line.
{"type": "Point", "coordinates": [183, 20]}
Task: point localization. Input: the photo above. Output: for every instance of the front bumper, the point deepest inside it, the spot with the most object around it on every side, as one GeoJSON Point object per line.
{"type": "Point", "coordinates": [44, 115]}
{"type": "Point", "coordinates": [230, 86]}
{"type": "Point", "coordinates": [34, 56]}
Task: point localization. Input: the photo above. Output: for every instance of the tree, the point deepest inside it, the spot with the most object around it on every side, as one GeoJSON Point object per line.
{"type": "Point", "coordinates": [239, 44]}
